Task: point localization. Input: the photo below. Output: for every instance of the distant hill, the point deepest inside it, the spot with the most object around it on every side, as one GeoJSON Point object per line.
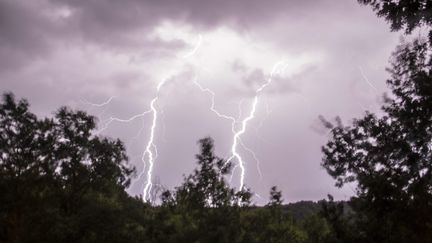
{"type": "Point", "coordinates": [302, 209]}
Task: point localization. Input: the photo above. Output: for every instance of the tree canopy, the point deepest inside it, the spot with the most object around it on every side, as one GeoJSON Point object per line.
{"type": "Point", "coordinates": [62, 183]}
{"type": "Point", "coordinates": [403, 14]}
{"type": "Point", "coordinates": [56, 178]}
{"type": "Point", "coordinates": [390, 156]}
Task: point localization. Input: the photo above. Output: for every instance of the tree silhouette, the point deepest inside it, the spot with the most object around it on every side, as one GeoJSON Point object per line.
{"type": "Point", "coordinates": [403, 14]}
{"type": "Point", "coordinates": [207, 187]}
{"type": "Point", "coordinates": [59, 182]}
{"type": "Point", "coordinates": [208, 209]}
{"type": "Point", "coordinates": [390, 156]}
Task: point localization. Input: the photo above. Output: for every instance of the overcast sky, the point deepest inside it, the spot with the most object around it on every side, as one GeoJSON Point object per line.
{"type": "Point", "coordinates": [115, 53]}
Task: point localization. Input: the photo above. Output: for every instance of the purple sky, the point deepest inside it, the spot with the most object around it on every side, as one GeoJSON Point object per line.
{"type": "Point", "coordinates": [76, 52]}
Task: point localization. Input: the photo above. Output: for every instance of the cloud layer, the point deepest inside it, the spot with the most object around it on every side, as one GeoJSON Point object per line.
{"type": "Point", "coordinates": [72, 52]}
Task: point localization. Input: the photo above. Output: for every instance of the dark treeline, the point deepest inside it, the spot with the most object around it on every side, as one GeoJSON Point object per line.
{"type": "Point", "coordinates": [59, 182]}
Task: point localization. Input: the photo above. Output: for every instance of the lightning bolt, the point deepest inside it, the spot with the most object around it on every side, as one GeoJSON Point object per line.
{"type": "Point", "coordinates": [236, 140]}
{"type": "Point", "coordinates": [100, 104]}
{"type": "Point", "coordinates": [365, 78]}
{"type": "Point", "coordinates": [258, 167]}
{"type": "Point", "coordinates": [108, 121]}
{"type": "Point", "coordinates": [212, 106]}
{"type": "Point", "coordinates": [238, 126]}
{"type": "Point", "coordinates": [150, 153]}
{"type": "Point", "coordinates": [150, 149]}
{"type": "Point", "coordinates": [195, 49]}
{"type": "Point", "coordinates": [237, 133]}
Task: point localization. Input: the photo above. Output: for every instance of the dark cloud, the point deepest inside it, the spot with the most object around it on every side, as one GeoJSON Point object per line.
{"type": "Point", "coordinates": [23, 34]}
{"type": "Point", "coordinates": [112, 16]}
{"type": "Point", "coordinates": [57, 52]}
{"type": "Point", "coordinates": [32, 30]}
{"type": "Point", "coordinates": [252, 79]}
{"type": "Point", "coordinates": [28, 27]}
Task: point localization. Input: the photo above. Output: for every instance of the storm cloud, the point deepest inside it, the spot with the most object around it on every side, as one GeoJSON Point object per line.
{"type": "Point", "coordinates": [77, 52]}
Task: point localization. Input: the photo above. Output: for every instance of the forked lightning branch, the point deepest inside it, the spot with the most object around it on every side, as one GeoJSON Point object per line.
{"type": "Point", "coordinates": [238, 126]}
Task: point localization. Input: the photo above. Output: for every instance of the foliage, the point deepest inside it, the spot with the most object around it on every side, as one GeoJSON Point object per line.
{"type": "Point", "coordinates": [62, 183]}
{"type": "Point", "coordinates": [403, 14]}
{"type": "Point", "coordinates": [57, 179]}
{"type": "Point", "coordinates": [302, 209]}
{"type": "Point", "coordinates": [389, 157]}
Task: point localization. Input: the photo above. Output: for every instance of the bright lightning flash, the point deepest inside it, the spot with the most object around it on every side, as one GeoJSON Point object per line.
{"type": "Point", "coordinates": [149, 155]}
{"type": "Point", "coordinates": [98, 105]}
{"type": "Point", "coordinates": [235, 154]}
{"type": "Point", "coordinates": [237, 133]}
{"type": "Point", "coordinates": [151, 147]}
{"type": "Point", "coordinates": [238, 126]}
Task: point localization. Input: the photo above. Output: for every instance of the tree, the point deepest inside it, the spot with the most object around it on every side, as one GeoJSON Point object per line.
{"type": "Point", "coordinates": [25, 172]}
{"type": "Point", "coordinates": [59, 182]}
{"type": "Point", "coordinates": [403, 14]}
{"type": "Point", "coordinates": [204, 208]}
{"type": "Point", "coordinates": [207, 187]}
{"type": "Point", "coordinates": [275, 197]}
{"type": "Point", "coordinates": [338, 220]}
{"type": "Point", "coordinates": [390, 156]}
